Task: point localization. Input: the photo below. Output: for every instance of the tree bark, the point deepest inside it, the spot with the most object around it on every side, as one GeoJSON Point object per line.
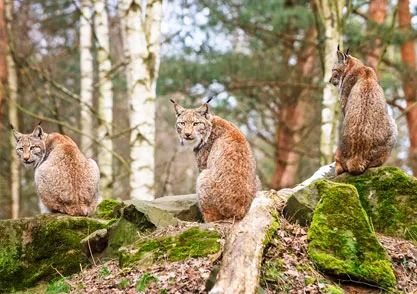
{"type": "Point", "coordinates": [142, 45]}
{"type": "Point", "coordinates": [87, 78]}
{"type": "Point", "coordinates": [12, 85]}
{"type": "Point", "coordinates": [105, 99]}
{"type": "Point", "coordinates": [292, 119]}
{"type": "Point", "coordinates": [330, 14]}
{"type": "Point", "coordinates": [3, 60]}
{"type": "Point", "coordinates": [408, 58]}
{"type": "Point", "coordinates": [377, 13]}
{"type": "Point", "coordinates": [242, 256]}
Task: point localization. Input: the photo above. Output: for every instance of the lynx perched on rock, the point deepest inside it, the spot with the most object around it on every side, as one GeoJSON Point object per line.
{"type": "Point", "coordinates": [227, 183]}
{"type": "Point", "coordinates": [369, 133]}
{"type": "Point", "coordinates": [66, 181]}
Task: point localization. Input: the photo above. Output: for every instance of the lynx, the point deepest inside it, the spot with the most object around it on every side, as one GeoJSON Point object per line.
{"type": "Point", "coordinates": [66, 181]}
{"type": "Point", "coordinates": [369, 133]}
{"type": "Point", "coordinates": [227, 182]}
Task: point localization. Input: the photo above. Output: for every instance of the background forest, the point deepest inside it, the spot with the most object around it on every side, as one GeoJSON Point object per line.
{"type": "Point", "coordinates": [102, 72]}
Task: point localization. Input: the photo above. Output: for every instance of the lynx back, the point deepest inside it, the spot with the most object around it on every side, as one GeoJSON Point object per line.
{"type": "Point", "coordinates": [227, 182]}
{"type": "Point", "coordinates": [66, 181]}
{"type": "Point", "coordinates": [369, 133]}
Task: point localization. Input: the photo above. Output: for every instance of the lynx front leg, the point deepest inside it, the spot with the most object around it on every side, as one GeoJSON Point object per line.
{"type": "Point", "coordinates": [339, 167]}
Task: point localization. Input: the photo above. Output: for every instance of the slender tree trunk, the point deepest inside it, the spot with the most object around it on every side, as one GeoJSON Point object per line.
{"type": "Point", "coordinates": [105, 100]}
{"type": "Point", "coordinates": [377, 13]}
{"type": "Point", "coordinates": [142, 43]}
{"type": "Point", "coordinates": [3, 60]}
{"type": "Point", "coordinates": [13, 119]}
{"type": "Point", "coordinates": [408, 58]}
{"type": "Point", "coordinates": [330, 14]}
{"type": "Point", "coordinates": [87, 79]}
{"type": "Point", "coordinates": [292, 120]}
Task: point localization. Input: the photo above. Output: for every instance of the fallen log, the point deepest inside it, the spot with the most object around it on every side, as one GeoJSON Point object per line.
{"type": "Point", "coordinates": [242, 256]}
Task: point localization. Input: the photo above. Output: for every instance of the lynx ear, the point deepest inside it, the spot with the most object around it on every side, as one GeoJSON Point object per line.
{"type": "Point", "coordinates": [340, 57]}
{"type": "Point", "coordinates": [38, 132]}
{"type": "Point", "coordinates": [347, 52]}
{"type": "Point", "coordinates": [16, 134]}
{"type": "Point", "coordinates": [204, 109]}
{"type": "Point", "coordinates": [178, 108]}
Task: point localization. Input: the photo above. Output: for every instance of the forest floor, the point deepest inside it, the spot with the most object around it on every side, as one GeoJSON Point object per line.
{"type": "Point", "coordinates": [286, 268]}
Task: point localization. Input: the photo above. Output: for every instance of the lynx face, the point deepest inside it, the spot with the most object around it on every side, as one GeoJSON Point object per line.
{"type": "Point", "coordinates": [339, 68]}
{"type": "Point", "coordinates": [193, 125]}
{"type": "Point", "coordinates": [30, 148]}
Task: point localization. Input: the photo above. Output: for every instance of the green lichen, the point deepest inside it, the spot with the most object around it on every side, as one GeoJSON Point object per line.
{"type": "Point", "coordinates": [190, 243]}
{"type": "Point", "coordinates": [34, 249]}
{"type": "Point", "coordinates": [108, 209]}
{"type": "Point", "coordinates": [389, 197]}
{"type": "Point", "coordinates": [341, 241]}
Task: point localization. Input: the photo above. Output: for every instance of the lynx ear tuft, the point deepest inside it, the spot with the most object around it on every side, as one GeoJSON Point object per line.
{"type": "Point", "coordinates": [39, 123]}
{"type": "Point", "coordinates": [11, 126]}
{"type": "Point", "coordinates": [172, 100]}
{"type": "Point", "coordinates": [338, 47]}
{"type": "Point", "coordinates": [208, 100]}
{"type": "Point", "coordinates": [347, 52]}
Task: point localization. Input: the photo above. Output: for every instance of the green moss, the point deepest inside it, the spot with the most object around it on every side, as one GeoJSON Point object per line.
{"type": "Point", "coordinates": [31, 249]}
{"type": "Point", "coordinates": [58, 286]}
{"type": "Point", "coordinates": [124, 283]}
{"type": "Point", "coordinates": [389, 197]}
{"type": "Point", "coordinates": [144, 281]}
{"type": "Point", "coordinates": [190, 243]}
{"type": "Point", "coordinates": [341, 241]}
{"type": "Point", "coordinates": [108, 209]}
{"type": "Point", "coordinates": [333, 290]}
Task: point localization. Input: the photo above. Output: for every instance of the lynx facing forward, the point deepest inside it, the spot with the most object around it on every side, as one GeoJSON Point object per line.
{"type": "Point", "coordinates": [66, 181]}
{"type": "Point", "coordinates": [369, 133]}
{"type": "Point", "coordinates": [227, 182]}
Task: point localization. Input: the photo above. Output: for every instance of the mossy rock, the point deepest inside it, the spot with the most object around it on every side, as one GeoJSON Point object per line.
{"type": "Point", "coordinates": [300, 205]}
{"type": "Point", "coordinates": [192, 243]}
{"type": "Point", "coordinates": [109, 209]}
{"type": "Point", "coordinates": [34, 249]}
{"type": "Point", "coordinates": [389, 197]}
{"type": "Point", "coordinates": [341, 241]}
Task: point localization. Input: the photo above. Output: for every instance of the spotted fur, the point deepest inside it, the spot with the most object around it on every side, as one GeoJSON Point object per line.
{"type": "Point", "coordinates": [66, 181]}
{"type": "Point", "coordinates": [227, 182]}
{"type": "Point", "coordinates": [369, 133]}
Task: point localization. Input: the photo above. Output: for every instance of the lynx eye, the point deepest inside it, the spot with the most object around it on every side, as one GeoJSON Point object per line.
{"type": "Point", "coordinates": [20, 149]}
{"type": "Point", "coordinates": [181, 123]}
{"type": "Point", "coordinates": [32, 147]}
{"type": "Point", "coordinates": [196, 123]}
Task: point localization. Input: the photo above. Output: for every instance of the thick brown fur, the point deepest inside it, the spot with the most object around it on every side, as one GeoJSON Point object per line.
{"type": "Point", "coordinates": [227, 182]}
{"type": "Point", "coordinates": [369, 133]}
{"type": "Point", "coordinates": [66, 181]}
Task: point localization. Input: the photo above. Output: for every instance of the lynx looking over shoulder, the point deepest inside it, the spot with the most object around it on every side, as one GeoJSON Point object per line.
{"type": "Point", "coordinates": [66, 181]}
{"type": "Point", "coordinates": [369, 133]}
{"type": "Point", "coordinates": [227, 182]}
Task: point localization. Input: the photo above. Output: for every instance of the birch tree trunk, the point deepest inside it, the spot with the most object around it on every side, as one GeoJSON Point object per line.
{"type": "Point", "coordinates": [105, 99]}
{"type": "Point", "coordinates": [142, 45]}
{"type": "Point", "coordinates": [408, 58]}
{"type": "Point", "coordinates": [330, 14]}
{"type": "Point", "coordinates": [86, 68]}
{"type": "Point", "coordinates": [13, 119]}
